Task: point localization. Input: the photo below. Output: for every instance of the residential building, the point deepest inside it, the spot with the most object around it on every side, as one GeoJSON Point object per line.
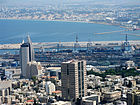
{"type": "Point", "coordinates": [90, 100]}
{"type": "Point", "coordinates": [34, 68]}
{"type": "Point", "coordinates": [61, 103]}
{"type": "Point", "coordinates": [73, 78]}
{"type": "Point", "coordinates": [50, 87]}
{"type": "Point", "coordinates": [112, 96]}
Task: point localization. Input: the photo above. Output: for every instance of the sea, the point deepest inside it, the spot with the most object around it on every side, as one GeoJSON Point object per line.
{"type": "Point", "coordinates": [14, 31]}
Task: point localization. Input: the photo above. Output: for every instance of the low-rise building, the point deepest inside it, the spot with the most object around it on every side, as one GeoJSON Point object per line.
{"type": "Point", "coordinates": [61, 103]}
{"type": "Point", "coordinates": [50, 87]}
{"type": "Point", "coordinates": [111, 96]}
{"type": "Point", "coordinates": [34, 68]}
{"type": "Point", "coordinates": [90, 100]}
{"type": "Point", "coordinates": [12, 73]}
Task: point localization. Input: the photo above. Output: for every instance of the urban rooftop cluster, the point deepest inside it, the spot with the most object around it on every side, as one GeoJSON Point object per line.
{"type": "Point", "coordinates": [123, 16]}
{"type": "Point", "coordinates": [93, 76]}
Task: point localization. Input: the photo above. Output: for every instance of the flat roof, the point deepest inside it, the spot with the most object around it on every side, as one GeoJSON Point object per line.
{"type": "Point", "coordinates": [53, 68]}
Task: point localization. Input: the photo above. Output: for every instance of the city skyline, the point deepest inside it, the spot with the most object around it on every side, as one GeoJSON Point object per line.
{"type": "Point", "coordinates": [82, 52]}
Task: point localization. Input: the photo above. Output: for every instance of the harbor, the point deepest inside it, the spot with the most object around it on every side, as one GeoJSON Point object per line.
{"type": "Point", "coordinates": [55, 45]}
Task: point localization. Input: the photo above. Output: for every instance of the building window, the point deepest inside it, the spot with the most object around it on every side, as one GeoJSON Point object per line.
{"type": "Point", "coordinates": [78, 65]}
{"type": "Point", "coordinates": [68, 91]}
{"type": "Point", "coordinates": [82, 66]}
{"type": "Point", "coordinates": [67, 69]}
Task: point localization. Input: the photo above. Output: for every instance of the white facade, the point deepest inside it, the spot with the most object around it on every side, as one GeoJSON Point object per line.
{"type": "Point", "coordinates": [61, 103]}
{"type": "Point", "coordinates": [91, 100]}
{"type": "Point", "coordinates": [12, 73]}
{"type": "Point", "coordinates": [130, 64]}
{"type": "Point", "coordinates": [50, 87]}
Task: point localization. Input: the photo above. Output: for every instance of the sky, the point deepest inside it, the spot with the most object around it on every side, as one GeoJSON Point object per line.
{"type": "Point", "coordinates": [45, 2]}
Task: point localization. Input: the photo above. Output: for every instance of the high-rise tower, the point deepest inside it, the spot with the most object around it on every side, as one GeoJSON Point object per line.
{"type": "Point", "coordinates": [73, 77]}
{"type": "Point", "coordinates": [26, 55]}
{"type": "Point", "coordinates": [31, 50]}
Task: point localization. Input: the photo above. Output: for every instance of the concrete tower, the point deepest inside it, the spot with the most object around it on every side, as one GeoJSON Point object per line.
{"type": "Point", "coordinates": [73, 77]}
{"type": "Point", "coordinates": [31, 50]}
{"type": "Point", "coordinates": [26, 55]}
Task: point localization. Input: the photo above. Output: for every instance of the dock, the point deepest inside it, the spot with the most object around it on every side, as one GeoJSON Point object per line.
{"type": "Point", "coordinates": [54, 45]}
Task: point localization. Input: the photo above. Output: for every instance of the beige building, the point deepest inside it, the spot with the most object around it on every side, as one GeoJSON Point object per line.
{"type": "Point", "coordinates": [34, 68]}
{"type": "Point", "coordinates": [73, 77]}
{"type": "Point", "coordinates": [112, 96]}
{"type": "Point", "coordinates": [5, 90]}
{"type": "Point", "coordinates": [6, 84]}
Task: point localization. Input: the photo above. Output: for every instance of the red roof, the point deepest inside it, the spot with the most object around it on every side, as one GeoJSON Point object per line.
{"type": "Point", "coordinates": [56, 92]}
{"type": "Point", "coordinates": [43, 76]}
{"type": "Point", "coordinates": [52, 77]}
{"type": "Point", "coordinates": [30, 100]}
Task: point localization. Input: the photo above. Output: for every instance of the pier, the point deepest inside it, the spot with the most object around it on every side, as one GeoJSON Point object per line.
{"type": "Point", "coordinates": [54, 45]}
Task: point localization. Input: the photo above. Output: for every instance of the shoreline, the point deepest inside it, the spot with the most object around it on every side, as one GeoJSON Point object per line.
{"type": "Point", "coordinates": [88, 22]}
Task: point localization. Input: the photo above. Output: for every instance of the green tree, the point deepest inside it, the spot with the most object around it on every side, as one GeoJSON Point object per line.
{"type": "Point", "coordinates": [34, 79]}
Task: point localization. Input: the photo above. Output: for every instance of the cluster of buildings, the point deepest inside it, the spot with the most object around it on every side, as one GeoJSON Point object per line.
{"type": "Point", "coordinates": [29, 82]}
{"type": "Point", "coordinates": [114, 90]}
{"type": "Point", "coordinates": [62, 77]}
{"type": "Point", "coordinates": [90, 13]}
{"type": "Point", "coordinates": [29, 67]}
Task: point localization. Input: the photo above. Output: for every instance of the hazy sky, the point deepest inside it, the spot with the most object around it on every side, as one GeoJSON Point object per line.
{"type": "Point", "coordinates": [44, 2]}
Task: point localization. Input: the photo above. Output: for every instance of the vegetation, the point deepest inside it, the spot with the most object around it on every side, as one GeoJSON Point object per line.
{"type": "Point", "coordinates": [34, 78]}
{"type": "Point", "coordinates": [123, 72]}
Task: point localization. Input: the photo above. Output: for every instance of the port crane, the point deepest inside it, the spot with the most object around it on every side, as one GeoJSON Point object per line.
{"type": "Point", "coordinates": [126, 43]}
{"type": "Point", "coordinates": [126, 38]}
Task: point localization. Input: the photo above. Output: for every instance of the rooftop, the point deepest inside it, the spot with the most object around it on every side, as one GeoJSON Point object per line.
{"type": "Point", "coordinates": [56, 92]}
